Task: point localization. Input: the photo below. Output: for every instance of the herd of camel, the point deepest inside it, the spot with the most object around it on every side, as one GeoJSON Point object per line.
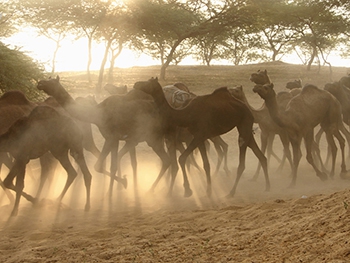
{"type": "Point", "coordinates": [167, 119]}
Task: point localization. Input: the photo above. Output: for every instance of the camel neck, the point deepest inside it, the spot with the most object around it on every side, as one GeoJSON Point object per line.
{"type": "Point", "coordinates": [272, 106]}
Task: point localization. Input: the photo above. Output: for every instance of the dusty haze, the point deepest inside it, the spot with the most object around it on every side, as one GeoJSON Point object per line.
{"type": "Point", "coordinates": [309, 223]}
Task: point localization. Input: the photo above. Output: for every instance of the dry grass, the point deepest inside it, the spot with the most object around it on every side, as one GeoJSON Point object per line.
{"type": "Point", "coordinates": [202, 79]}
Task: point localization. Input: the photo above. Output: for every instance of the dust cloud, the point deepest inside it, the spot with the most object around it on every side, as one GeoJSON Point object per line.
{"type": "Point", "coordinates": [139, 199]}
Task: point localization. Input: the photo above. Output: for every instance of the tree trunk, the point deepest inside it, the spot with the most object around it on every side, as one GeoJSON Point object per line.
{"type": "Point", "coordinates": [169, 59]}
{"type": "Point", "coordinates": [89, 59]}
{"type": "Point", "coordinates": [102, 67]}
{"type": "Point", "coordinates": [312, 58]}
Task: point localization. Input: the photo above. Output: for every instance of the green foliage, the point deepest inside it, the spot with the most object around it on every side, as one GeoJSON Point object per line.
{"type": "Point", "coordinates": [19, 72]}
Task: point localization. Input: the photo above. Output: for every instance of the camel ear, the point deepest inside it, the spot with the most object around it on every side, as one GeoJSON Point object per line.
{"type": "Point", "coordinates": [265, 71]}
{"type": "Point", "coordinates": [156, 78]}
{"type": "Point", "coordinates": [240, 87]}
{"type": "Point", "coordinates": [272, 85]}
{"type": "Point", "coordinates": [58, 78]}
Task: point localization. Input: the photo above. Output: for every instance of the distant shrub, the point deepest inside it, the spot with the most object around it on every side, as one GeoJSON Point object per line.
{"type": "Point", "coordinates": [18, 71]}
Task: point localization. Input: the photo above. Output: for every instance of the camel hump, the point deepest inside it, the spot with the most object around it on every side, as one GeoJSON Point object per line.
{"type": "Point", "coordinates": [44, 112]}
{"type": "Point", "coordinates": [221, 90]}
{"type": "Point", "coordinates": [310, 88]}
{"type": "Point", "coordinates": [14, 97]}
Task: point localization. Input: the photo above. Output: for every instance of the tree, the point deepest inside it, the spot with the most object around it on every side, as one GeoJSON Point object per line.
{"type": "Point", "coordinates": [49, 18]}
{"type": "Point", "coordinates": [116, 31]}
{"type": "Point", "coordinates": [319, 26]}
{"type": "Point", "coordinates": [19, 72]}
{"type": "Point", "coordinates": [8, 18]}
{"type": "Point", "coordinates": [172, 22]}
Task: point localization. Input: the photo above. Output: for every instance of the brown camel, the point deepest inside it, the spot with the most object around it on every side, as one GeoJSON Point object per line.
{"type": "Point", "coordinates": [206, 117]}
{"type": "Point", "coordinates": [118, 118]}
{"type": "Point", "coordinates": [178, 96]}
{"type": "Point", "coordinates": [311, 107]}
{"type": "Point", "coordinates": [267, 126]}
{"type": "Point", "coordinates": [44, 130]}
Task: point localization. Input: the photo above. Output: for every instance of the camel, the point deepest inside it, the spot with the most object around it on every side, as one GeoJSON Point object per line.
{"type": "Point", "coordinates": [178, 96]}
{"type": "Point", "coordinates": [267, 126]}
{"type": "Point", "coordinates": [30, 137]}
{"type": "Point", "coordinates": [296, 84]}
{"type": "Point", "coordinates": [119, 118]}
{"type": "Point", "coordinates": [206, 117]}
{"type": "Point", "coordinates": [311, 107]}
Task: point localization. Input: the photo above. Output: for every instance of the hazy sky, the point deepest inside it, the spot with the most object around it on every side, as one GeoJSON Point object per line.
{"type": "Point", "coordinates": [72, 55]}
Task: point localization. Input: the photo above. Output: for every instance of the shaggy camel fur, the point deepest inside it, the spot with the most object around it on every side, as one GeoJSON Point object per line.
{"type": "Point", "coordinates": [311, 107]}
{"type": "Point", "coordinates": [205, 117]}
{"type": "Point", "coordinates": [44, 130]}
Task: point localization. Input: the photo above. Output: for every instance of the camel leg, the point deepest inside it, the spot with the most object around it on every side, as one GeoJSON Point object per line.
{"type": "Point", "coordinates": [333, 149]}
{"type": "Point", "coordinates": [222, 147]}
{"type": "Point", "coordinates": [167, 160]}
{"type": "Point", "coordinates": [48, 166]}
{"type": "Point", "coordinates": [241, 167]}
{"type": "Point", "coordinates": [131, 148]}
{"type": "Point", "coordinates": [264, 139]}
{"type": "Point", "coordinates": [341, 141]}
{"type": "Point", "coordinates": [79, 158]}
{"type": "Point", "coordinates": [99, 165]}
{"type": "Point", "coordinates": [287, 154]}
{"type": "Point", "coordinates": [296, 159]}
{"type": "Point", "coordinates": [18, 171]}
{"type": "Point", "coordinates": [309, 140]}
{"type": "Point", "coordinates": [270, 149]}
{"type": "Point", "coordinates": [7, 192]}
{"type": "Point", "coordinates": [345, 132]}
{"type": "Point", "coordinates": [206, 167]}
{"type": "Point", "coordinates": [182, 161]}
{"type": "Point", "coordinates": [71, 172]}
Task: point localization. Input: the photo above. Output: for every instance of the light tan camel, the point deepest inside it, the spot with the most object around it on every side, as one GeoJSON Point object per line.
{"type": "Point", "coordinates": [205, 117]}
{"type": "Point", "coordinates": [30, 137]}
{"type": "Point", "coordinates": [311, 107]}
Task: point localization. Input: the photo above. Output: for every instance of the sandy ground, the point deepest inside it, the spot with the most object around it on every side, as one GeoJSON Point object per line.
{"type": "Point", "coordinates": [309, 223]}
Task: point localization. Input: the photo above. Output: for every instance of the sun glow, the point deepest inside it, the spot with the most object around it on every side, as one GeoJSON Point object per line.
{"type": "Point", "coordinates": [72, 54]}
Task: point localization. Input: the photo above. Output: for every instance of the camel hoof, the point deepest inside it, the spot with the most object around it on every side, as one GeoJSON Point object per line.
{"type": "Point", "coordinates": [188, 192]}
{"type": "Point", "coordinates": [87, 208]}
{"type": "Point", "coordinates": [323, 176]}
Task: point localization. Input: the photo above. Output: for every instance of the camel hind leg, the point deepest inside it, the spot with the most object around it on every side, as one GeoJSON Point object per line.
{"type": "Point", "coordinates": [18, 171]}
{"type": "Point", "coordinates": [182, 161]}
{"type": "Point", "coordinates": [63, 158]}
{"type": "Point", "coordinates": [79, 158]}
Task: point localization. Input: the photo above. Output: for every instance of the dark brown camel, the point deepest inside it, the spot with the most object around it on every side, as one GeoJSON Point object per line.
{"type": "Point", "coordinates": [205, 117]}
{"type": "Point", "coordinates": [44, 130]}
{"type": "Point", "coordinates": [117, 118]}
{"type": "Point", "coordinates": [311, 107]}
{"type": "Point", "coordinates": [178, 96]}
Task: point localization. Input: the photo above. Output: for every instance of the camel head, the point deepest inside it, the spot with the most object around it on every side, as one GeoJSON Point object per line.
{"type": "Point", "coordinates": [265, 91]}
{"type": "Point", "coordinates": [49, 86]}
{"type": "Point", "coordinates": [294, 84]}
{"type": "Point", "coordinates": [150, 86]}
{"type": "Point", "coordinates": [260, 77]}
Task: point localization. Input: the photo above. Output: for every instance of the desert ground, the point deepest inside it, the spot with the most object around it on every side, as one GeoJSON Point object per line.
{"type": "Point", "coordinates": [307, 223]}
